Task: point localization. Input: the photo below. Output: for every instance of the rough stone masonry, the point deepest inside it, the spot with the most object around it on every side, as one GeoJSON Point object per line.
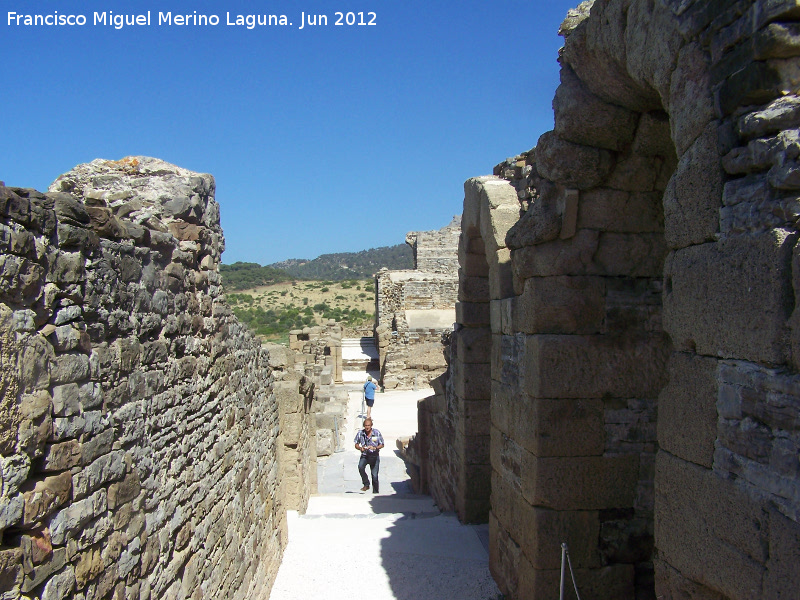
{"type": "Point", "coordinates": [138, 427]}
{"type": "Point", "coordinates": [625, 371]}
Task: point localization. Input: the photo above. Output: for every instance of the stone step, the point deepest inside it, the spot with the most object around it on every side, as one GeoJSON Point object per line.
{"type": "Point", "coordinates": [367, 503]}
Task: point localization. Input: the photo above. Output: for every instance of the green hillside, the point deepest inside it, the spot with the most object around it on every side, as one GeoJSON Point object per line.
{"type": "Point", "coordinates": [246, 275]}
{"type": "Point", "coordinates": [349, 265]}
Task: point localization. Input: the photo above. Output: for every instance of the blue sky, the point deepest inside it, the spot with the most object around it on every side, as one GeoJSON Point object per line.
{"type": "Point", "coordinates": [323, 139]}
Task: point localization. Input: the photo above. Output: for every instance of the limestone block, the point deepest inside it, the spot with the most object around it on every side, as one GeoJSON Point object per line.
{"type": "Point", "coordinates": [60, 586]}
{"type": "Point", "coordinates": [61, 456]}
{"type": "Point", "coordinates": [474, 265]}
{"type": "Point", "coordinates": [44, 571]}
{"type": "Point", "coordinates": [594, 49]}
{"type": "Point", "coordinates": [614, 582]}
{"type": "Point", "coordinates": [782, 113]}
{"type": "Point", "coordinates": [71, 519]}
{"type": "Point", "coordinates": [473, 382]}
{"type": "Point", "coordinates": [571, 366]}
{"type": "Point", "coordinates": [124, 491]}
{"type": "Point", "coordinates": [635, 255]}
{"type": "Point", "coordinates": [293, 428]}
{"type": "Point", "coordinates": [708, 529]}
{"type": "Point", "coordinates": [653, 136]}
{"type": "Point", "coordinates": [652, 42]}
{"type": "Point", "coordinates": [559, 257]}
{"type": "Point", "coordinates": [694, 194]}
{"type": "Point", "coordinates": [671, 584]}
{"type": "Point", "coordinates": [580, 482]}
{"type": "Point", "coordinates": [729, 299]}
{"type": "Point", "coordinates": [105, 469]}
{"type": "Point", "coordinates": [560, 305]}
{"type": "Point", "coordinates": [687, 413]}
{"type": "Point", "coordinates": [46, 497]}
{"type": "Point", "coordinates": [472, 314]}
{"type": "Point", "coordinates": [501, 279]}
{"type": "Point", "coordinates": [626, 212]}
{"type": "Point", "coordinates": [35, 359]}
{"type": "Point", "coordinates": [10, 568]}
{"type": "Point", "coordinates": [540, 531]}
{"type": "Point", "coordinates": [561, 427]}
{"type": "Point", "coordinates": [501, 312]}
{"type": "Point", "coordinates": [476, 420]}
{"type": "Point", "coordinates": [68, 368]}
{"type": "Point", "coordinates": [471, 216]}
{"type": "Point", "coordinates": [583, 118]}
{"type": "Point", "coordinates": [499, 211]}
{"type": "Point", "coordinates": [691, 103]}
{"type": "Point", "coordinates": [571, 165]}
{"type": "Point", "coordinates": [782, 577]}
{"type": "Point", "coordinates": [473, 344]}
{"type": "Point", "coordinates": [473, 289]}
{"type": "Point", "coordinates": [758, 82]}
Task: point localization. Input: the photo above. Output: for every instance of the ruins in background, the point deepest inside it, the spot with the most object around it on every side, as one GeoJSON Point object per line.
{"type": "Point", "coordinates": [416, 308]}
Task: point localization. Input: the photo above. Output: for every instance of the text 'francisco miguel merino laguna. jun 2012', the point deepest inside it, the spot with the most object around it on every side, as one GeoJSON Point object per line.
{"type": "Point", "coordinates": [170, 19]}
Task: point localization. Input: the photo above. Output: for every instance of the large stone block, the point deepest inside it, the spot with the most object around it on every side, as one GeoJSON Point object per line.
{"type": "Point", "coordinates": [474, 344]}
{"type": "Point", "coordinates": [614, 582]}
{"type": "Point", "coordinates": [572, 165]}
{"type": "Point", "coordinates": [730, 299]}
{"type": "Point", "coordinates": [691, 103]}
{"type": "Point", "coordinates": [583, 118]}
{"type": "Point", "coordinates": [540, 531]}
{"type": "Point", "coordinates": [560, 305]}
{"type": "Point", "coordinates": [580, 482]}
{"type": "Point", "coordinates": [782, 579]}
{"type": "Point", "coordinates": [672, 584]}
{"type": "Point", "coordinates": [708, 529]}
{"type": "Point", "coordinates": [500, 210]}
{"type": "Point", "coordinates": [473, 289]}
{"type": "Point", "coordinates": [473, 314]}
{"type": "Point", "coordinates": [473, 382]}
{"type": "Point", "coordinates": [693, 196]}
{"type": "Point", "coordinates": [631, 254]}
{"type": "Point", "coordinates": [571, 366]}
{"type": "Point", "coordinates": [624, 212]}
{"type": "Point", "coordinates": [559, 257]}
{"type": "Point", "coordinates": [562, 427]}
{"type": "Point", "coordinates": [687, 411]}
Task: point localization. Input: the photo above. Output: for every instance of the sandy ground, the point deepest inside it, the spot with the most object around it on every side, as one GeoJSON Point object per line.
{"type": "Point", "coordinates": [388, 546]}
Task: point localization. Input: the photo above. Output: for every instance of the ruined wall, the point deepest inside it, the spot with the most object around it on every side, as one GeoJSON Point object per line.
{"type": "Point", "coordinates": [637, 275]}
{"type": "Point", "coordinates": [139, 428]}
{"type": "Point", "coordinates": [414, 309]}
{"type": "Point", "coordinates": [436, 251]}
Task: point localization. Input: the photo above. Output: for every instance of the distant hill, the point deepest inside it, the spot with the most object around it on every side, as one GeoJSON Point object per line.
{"type": "Point", "coordinates": [246, 275]}
{"type": "Point", "coordinates": [349, 265]}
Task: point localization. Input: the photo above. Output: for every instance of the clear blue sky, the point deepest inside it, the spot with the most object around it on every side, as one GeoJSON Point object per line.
{"type": "Point", "coordinates": [325, 139]}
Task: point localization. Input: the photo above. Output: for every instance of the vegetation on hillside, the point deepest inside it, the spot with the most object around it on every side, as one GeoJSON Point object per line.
{"type": "Point", "coordinates": [247, 275]}
{"type": "Point", "coordinates": [274, 310]}
{"type": "Point", "coordinates": [350, 265]}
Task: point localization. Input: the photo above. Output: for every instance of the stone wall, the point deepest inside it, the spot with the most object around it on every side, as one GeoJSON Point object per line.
{"type": "Point", "coordinates": [634, 279]}
{"type": "Point", "coordinates": [139, 446]}
{"type": "Point", "coordinates": [436, 251]}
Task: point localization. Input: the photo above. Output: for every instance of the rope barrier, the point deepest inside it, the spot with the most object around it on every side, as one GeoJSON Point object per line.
{"type": "Point", "coordinates": [565, 561]}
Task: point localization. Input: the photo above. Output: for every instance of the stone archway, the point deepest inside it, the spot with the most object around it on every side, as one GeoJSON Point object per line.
{"type": "Point", "coordinates": [642, 373]}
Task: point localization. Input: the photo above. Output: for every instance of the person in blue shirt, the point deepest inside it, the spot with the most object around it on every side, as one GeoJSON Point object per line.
{"type": "Point", "coordinates": [369, 394]}
{"type": "Point", "coordinates": [369, 441]}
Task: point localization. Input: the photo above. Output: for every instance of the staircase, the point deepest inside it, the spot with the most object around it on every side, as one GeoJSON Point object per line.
{"type": "Point", "coordinates": [360, 354]}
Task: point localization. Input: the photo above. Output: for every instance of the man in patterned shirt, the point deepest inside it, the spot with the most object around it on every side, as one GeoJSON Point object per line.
{"type": "Point", "coordinates": [369, 441]}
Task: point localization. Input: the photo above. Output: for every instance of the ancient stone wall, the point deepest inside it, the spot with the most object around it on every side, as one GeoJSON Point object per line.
{"type": "Point", "coordinates": [415, 308]}
{"type": "Point", "coordinates": [637, 277]}
{"type": "Point", "coordinates": [139, 427]}
{"type": "Point", "coordinates": [436, 251]}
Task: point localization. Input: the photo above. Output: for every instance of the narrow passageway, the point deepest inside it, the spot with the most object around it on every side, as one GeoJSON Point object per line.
{"type": "Point", "coordinates": [394, 545]}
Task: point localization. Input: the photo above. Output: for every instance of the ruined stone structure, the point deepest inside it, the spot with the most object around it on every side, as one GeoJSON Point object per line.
{"type": "Point", "coordinates": [317, 352]}
{"type": "Point", "coordinates": [139, 443]}
{"type": "Point", "coordinates": [624, 371]}
{"type": "Point", "coordinates": [415, 308]}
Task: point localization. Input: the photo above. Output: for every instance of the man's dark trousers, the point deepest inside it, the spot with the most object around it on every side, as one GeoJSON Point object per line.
{"type": "Point", "coordinates": [374, 461]}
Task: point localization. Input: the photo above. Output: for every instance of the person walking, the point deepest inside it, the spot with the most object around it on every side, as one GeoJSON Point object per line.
{"type": "Point", "coordinates": [369, 394]}
{"type": "Point", "coordinates": [369, 441]}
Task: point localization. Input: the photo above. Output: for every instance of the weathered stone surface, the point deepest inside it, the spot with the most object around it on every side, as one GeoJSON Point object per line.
{"type": "Point", "coordinates": [583, 118]}
{"type": "Point", "coordinates": [708, 529]}
{"type": "Point", "coordinates": [571, 165]}
{"type": "Point", "coordinates": [107, 468]}
{"type": "Point", "coordinates": [730, 299]}
{"type": "Point", "coordinates": [691, 104]}
{"type": "Point", "coordinates": [46, 497]}
{"type": "Point", "coordinates": [613, 210]}
{"type": "Point", "coordinates": [630, 368]}
{"type": "Point", "coordinates": [784, 556]}
{"type": "Point", "coordinates": [687, 424]}
{"type": "Point", "coordinates": [61, 456]}
{"type": "Point", "coordinates": [560, 305]}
